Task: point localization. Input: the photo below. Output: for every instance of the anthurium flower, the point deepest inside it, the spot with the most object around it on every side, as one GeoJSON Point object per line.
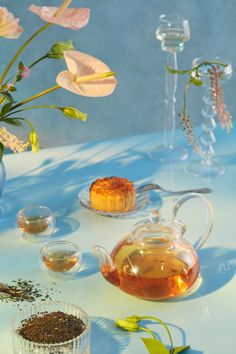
{"type": "Point", "coordinates": [69, 18]}
{"type": "Point", "coordinates": [9, 25]}
{"type": "Point", "coordinates": [86, 75]}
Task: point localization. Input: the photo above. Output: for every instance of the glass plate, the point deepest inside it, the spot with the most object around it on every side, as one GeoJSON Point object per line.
{"type": "Point", "coordinates": [144, 202]}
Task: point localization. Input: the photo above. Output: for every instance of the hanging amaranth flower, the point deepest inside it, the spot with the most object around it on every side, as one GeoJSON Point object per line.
{"type": "Point", "coordinates": [215, 74]}
{"type": "Point", "coordinates": [189, 131]}
{"type": "Point", "coordinates": [217, 97]}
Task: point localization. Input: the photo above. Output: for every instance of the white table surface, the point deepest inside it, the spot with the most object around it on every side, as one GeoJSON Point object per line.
{"type": "Point", "coordinates": [206, 320]}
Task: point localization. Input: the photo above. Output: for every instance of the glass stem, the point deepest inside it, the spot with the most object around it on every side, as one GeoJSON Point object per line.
{"type": "Point", "coordinates": [208, 125]}
{"type": "Point", "coordinates": [170, 100]}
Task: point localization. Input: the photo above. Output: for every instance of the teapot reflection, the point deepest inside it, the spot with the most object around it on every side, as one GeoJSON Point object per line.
{"type": "Point", "coordinates": [154, 261]}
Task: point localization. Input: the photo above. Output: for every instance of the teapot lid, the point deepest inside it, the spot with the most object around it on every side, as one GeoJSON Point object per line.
{"type": "Point", "coordinates": [155, 227]}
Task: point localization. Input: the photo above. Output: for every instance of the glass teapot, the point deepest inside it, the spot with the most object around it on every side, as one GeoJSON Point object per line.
{"type": "Point", "coordinates": [153, 261]}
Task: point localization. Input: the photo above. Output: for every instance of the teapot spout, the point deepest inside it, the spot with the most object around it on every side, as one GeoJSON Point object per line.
{"type": "Point", "coordinates": [107, 266]}
{"type": "Point", "coordinates": [103, 256]}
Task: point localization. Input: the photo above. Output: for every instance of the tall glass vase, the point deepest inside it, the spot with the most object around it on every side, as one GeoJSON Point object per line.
{"type": "Point", "coordinates": [208, 165]}
{"type": "Point", "coordinates": [172, 31]}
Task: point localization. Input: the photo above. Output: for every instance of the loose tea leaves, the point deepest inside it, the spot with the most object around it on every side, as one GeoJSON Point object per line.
{"type": "Point", "coordinates": [26, 290]}
{"type": "Point", "coordinates": [51, 328]}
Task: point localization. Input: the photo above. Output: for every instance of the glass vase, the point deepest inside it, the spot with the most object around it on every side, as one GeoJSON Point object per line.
{"type": "Point", "coordinates": [173, 31]}
{"type": "Point", "coordinates": [208, 165]}
{"type": "Point", "coordinates": [2, 176]}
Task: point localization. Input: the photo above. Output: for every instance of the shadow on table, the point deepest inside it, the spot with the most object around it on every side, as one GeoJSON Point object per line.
{"type": "Point", "coordinates": [106, 338]}
{"type": "Point", "coordinates": [56, 182]}
{"type": "Point", "coordinates": [217, 268]}
{"type": "Point", "coordinates": [89, 265]}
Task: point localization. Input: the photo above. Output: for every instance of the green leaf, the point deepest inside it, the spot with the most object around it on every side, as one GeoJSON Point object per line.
{"type": "Point", "coordinates": [174, 71]}
{"type": "Point", "coordinates": [6, 108]}
{"type": "Point", "coordinates": [181, 349]}
{"type": "Point", "coordinates": [13, 89]}
{"type": "Point", "coordinates": [196, 82]}
{"type": "Point", "coordinates": [2, 99]}
{"type": "Point", "coordinates": [154, 346]}
{"type": "Point", "coordinates": [7, 96]}
{"type": "Point", "coordinates": [1, 151]}
{"type": "Point", "coordinates": [12, 121]}
{"type": "Point", "coordinates": [18, 77]}
{"type": "Point", "coordinates": [20, 66]}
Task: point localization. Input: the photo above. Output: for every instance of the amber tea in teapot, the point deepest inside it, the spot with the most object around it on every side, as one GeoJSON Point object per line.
{"type": "Point", "coordinates": [150, 272]}
{"type": "Point", "coordinates": [154, 261]}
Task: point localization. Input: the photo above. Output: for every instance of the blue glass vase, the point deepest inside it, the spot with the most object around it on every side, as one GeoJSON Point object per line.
{"type": "Point", "coordinates": [2, 176]}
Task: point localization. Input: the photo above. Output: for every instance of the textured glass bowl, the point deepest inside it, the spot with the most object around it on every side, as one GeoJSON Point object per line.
{"type": "Point", "coordinates": [36, 221]}
{"type": "Point", "coordinates": [78, 345]}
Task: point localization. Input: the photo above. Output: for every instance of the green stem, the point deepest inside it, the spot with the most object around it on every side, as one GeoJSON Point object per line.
{"type": "Point", "coordinates": [148, 331]}
{"type": "Point", "coordinates": [211, 63]}
{"type": "Point", "coordinates": [27, 109]}
{"type": "Point", "coordinates": [185, 97]}
{"type": "Point", "coordinates": [164, 325]}
{"type": "Point", "coordinates": [21, 50]}
{"type": "Point", "coordinates": [26, 121]}
{"type": "Point", "coordinates": [38, 60]}
{"type": "Point", "coordinates": [45, 92]}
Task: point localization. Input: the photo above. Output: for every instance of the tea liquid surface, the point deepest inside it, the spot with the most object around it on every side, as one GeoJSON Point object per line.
{"type": "Point", "coordinates": [60, 261]}
{"type": "Point", "coordinates": [153, 273]}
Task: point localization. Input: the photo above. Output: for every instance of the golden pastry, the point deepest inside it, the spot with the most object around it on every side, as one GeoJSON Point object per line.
{"type": "Point", "coordinates": [114, 194]}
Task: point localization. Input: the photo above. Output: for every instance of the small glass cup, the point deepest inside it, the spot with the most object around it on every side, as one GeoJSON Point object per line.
{"type": "Point", "coordinates": [78, 345]}
{"type": "Point", "coordinates": [36, 221]}
{"type": "Point", "coordinates": [61, 259]}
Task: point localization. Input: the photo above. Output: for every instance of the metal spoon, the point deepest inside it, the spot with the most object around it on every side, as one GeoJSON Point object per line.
{"type": "Point", "coordinates": [153, 186]}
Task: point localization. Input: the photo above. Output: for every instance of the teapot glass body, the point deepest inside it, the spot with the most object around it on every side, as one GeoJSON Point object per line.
{"type": "Point", "coordinates": [154, 261]}
{"type": "Point", "coordinates": [154, 269]}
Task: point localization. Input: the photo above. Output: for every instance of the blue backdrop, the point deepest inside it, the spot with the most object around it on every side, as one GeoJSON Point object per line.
{"type": "Point", "coordinates": [121, 33]}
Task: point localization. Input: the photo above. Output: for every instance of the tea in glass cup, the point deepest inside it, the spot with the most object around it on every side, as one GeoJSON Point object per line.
{"type": "Point", "coordinates": [36, 221]}
{"type": "Point", "coordinates": [61, 259]}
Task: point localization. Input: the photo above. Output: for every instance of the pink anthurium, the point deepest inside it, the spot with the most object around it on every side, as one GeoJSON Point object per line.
{"type": "Point", "coordinates": [69, 18]}
{"type": "Point", "coordinates": [86, 75]}
{"type": "Point", "coordinates": [9, 25]}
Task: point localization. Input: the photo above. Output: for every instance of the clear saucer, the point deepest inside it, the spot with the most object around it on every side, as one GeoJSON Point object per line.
{"type": "Point", "coordinates": [144, 202]}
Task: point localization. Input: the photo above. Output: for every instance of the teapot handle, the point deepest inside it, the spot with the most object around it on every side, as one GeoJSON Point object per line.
{"type": "Point", "coordinates": [210, 216]}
